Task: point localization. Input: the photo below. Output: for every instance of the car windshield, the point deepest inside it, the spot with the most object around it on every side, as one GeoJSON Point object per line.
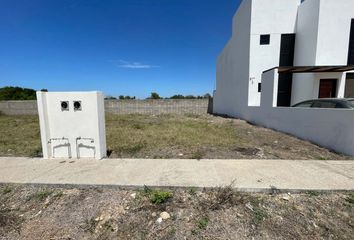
{"type": "Point", "coordinates": [351, 103]}
{"type": "Point", "coordinates": [304, 104]}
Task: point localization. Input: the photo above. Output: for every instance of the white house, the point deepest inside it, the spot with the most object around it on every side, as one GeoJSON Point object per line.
{"type": "Point", "coordinates": [308, 46]}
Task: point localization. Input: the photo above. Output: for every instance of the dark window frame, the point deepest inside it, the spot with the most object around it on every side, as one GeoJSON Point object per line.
{"type": "Point", "coordinates": [259, 87]}
{"type": "Point", "coordinates": [264, 39]}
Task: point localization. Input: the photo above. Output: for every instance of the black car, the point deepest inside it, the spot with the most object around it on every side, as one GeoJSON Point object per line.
{"type": "Point", "coordinates": [327, 103]}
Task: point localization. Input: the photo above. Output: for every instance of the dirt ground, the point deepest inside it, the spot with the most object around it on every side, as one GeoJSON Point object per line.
{"type": "Point", "coordinates": [29, 212]}
{"type": "Point", "coordinates": [172, 136]}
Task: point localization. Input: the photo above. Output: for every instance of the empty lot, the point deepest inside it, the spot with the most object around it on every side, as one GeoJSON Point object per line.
{"type": "Point", "coordinates": [172, 136]}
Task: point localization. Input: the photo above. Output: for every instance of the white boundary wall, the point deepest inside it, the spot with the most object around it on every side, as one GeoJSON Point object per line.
{"type": "Point", "coordinates": [331, 128]}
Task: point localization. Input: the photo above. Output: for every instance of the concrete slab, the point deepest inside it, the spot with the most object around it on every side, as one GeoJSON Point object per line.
{"type": "Point", "coordinates": [246, 175]}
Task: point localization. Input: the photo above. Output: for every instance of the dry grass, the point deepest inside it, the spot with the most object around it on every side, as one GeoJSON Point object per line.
{"type": "Point", "coordinates": [172, 136]}
{"type": "Point", "coordinates": [105, 213]}
{"type": "Point", "coordinates": [20, 136]}
{"type": "Point", "coordinates": [167, 136]}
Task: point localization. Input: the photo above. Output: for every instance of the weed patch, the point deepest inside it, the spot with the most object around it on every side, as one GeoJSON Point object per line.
{"type": "Point", "coordinates": [218, 198]}
{"type": "Point", "coordinates": [41, 195]}
{"type": "Point", "coordinates": [203, 223]}
{"type": "Point", "coordinates": [6, 190]}
{"type": "Point", "coordinates": [313, 193]}
{"type": "Point", "coordinates": [192, 191]}
{"type": "Point", "coordinates": [259, 215]}
{"type": "Point", "coordinates": [350, 198]}
{"type": "Point", "coordinates": [157, 196]}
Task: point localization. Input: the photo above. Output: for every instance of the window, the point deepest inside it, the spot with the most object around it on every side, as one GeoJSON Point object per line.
{"type": "Point", "coordinates": [342, 105]}
{"type": "Point", "coordinates": [351, 103]}
{"type": "Point", "coordinates": [259, 87]}
{"type": "Point", "coordinates": [321, 104]}
{"type": "Point", "coordinates": [265, 39]}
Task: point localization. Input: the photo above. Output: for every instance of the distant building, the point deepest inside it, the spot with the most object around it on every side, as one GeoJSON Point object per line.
{"type": "Point", "coordinates": [271, 33]}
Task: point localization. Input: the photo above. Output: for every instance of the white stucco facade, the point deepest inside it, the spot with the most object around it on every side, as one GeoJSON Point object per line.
{"type": "Point", "coordinates": [72, 124]}
{"type": "Point", "coordinates": [321, 27]}
{"type": "Point", "coordinates": [321, 33]}
{"type": "Point", "coordinates": [274, 17]}
{"type": "Point", "coordinates": [233, 65]}
{"type": "Point", "coordinates": [322, 39]}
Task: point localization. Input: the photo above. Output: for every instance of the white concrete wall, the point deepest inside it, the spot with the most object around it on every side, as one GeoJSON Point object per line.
{"type": "Point", "coordinates": [331, 128]}
{"type": "Point", "coordinates": [87, 123]}
{"type": "Point", "coordinates": [270, 89]}
{"type": "Point", "coordinates": [333, 31]}
{"type": "Point", "coordinates": [304, 86]}
{"type": "Point", "coordinates": [306, 33]}
{"type": "Point", "coordinates": [233, 66]}
{"type": "Point", "coordinates": [274, 17]}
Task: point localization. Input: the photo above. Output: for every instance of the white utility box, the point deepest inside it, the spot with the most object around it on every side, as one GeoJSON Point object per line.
{"type": "Point", "coordinates": [72, 124]}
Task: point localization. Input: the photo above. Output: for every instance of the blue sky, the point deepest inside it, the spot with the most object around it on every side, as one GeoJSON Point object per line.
{"type": "Point", "coordinates": [120, 47]}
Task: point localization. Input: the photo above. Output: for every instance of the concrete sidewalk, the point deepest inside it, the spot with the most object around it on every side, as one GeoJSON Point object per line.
{"type": "Point", "coordinates": [248, 175]}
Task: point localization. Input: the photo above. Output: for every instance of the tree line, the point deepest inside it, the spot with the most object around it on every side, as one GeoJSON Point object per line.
{"type": "Point", "coordinates": [18, 93]}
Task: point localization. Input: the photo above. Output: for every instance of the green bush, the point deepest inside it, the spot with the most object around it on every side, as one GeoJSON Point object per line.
{"type": "Point", "coordinates": [159, 196]}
